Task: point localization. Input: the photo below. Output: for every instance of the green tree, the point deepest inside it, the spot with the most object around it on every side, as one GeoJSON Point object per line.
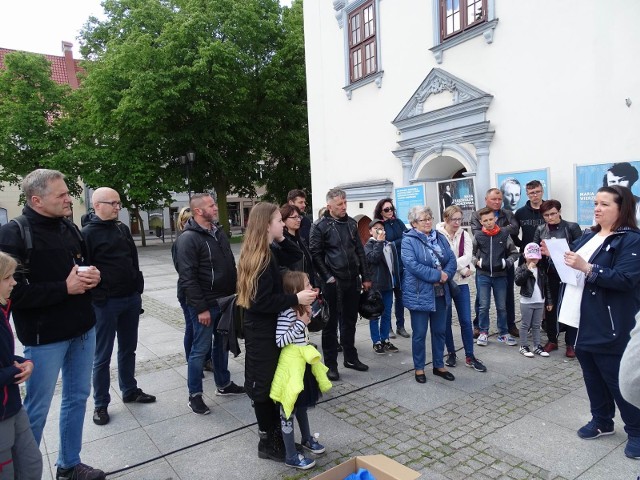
{"type": "Point", "coordinates": [286, 127]}
{"type": "Point", "coordinates": [172, 76]}
{"type": "Point", "coordinates": [32, 111]}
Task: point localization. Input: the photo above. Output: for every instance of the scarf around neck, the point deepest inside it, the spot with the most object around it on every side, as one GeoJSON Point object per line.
{"type": "Point", "coordinates": [494, 231]}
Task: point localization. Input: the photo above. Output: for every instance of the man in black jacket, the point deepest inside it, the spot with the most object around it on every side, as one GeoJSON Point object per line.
{"type": "Point", "coordinates": [206, 272]}
{"type": "Point", "coordinates": [298, 198]}
{"type": "Point", "coordinates": [529, 216]}
{"type": "Point", "coordinates": [339, 258]}
{"type": "Point", "coordinates": [116, 301]}
{"type": "Point", "coordinates": [52, 313]}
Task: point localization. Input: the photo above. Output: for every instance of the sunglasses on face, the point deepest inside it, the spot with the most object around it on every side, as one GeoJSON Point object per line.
{"type": "Point", "coordinates": [389, 209]}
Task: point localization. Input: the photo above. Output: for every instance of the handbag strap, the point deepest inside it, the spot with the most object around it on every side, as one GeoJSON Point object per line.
{"type": "Point", "coordinates": [461, 245]}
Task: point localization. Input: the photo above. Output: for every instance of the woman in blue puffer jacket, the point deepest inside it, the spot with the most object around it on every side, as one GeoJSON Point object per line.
{"type": "Point", "coordinates": [428, 264]}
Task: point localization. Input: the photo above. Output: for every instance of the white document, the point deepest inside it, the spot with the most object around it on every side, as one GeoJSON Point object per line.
{"type": "Point", "coordinates": [557, 248]}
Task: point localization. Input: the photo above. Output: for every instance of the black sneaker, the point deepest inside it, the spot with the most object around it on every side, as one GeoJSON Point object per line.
{"type": "Point", "coordinates": [390, 347]}
{"type": "Point", "coordinates": [333, 374]}
{"type": "Point", "coordinates": [80, 472]}
{"type": "Point", "coordinates": [138, 396]}
{"type": "Point", "coordinates": [231, 389]}
{"type": "Point", "coordinates": [477, 365]}
{"type": "Point", "coordinates": [451, 360]}
{"type": "Point", "coordinates": [197, 405]}
{"type": "Point", "coordinates": [100, 416]}
{"type": "Point", "coordinates": [378, 348]}
{"type": "Point", "coordinates": [357, 365]}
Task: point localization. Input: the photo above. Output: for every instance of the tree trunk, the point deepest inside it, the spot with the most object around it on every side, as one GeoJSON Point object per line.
{"type": "Point", "coordinates": [136, 212]}
{"type": "Point", "coordinates": [221, 187]}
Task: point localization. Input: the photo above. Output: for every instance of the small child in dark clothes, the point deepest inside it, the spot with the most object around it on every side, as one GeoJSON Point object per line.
{"type": "Point", "coordinates": [535, 292]}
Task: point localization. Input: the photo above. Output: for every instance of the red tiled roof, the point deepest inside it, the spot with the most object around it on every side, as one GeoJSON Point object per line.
{"type": "Point", "coordinates": [58, 70]}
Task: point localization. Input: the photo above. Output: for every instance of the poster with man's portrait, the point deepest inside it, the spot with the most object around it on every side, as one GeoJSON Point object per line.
{"type": "Point", "coordinates": [460, 192]}
{"type": "Point", "coordinates": [513, 187]}
{"type": "Point", "coordinates": [589, 178]}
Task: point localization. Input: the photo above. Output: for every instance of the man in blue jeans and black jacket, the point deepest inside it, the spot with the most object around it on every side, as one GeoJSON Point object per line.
{"type": "Point", "coordinates": [52, 313]}
{"type": "Point", "coordinates": [116, 301]}
{"type": "Point", "coordinates": [206, 272]}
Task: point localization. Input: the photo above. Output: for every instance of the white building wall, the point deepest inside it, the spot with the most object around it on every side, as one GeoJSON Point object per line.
{"type": "Point", "coordinates": [559, 73]}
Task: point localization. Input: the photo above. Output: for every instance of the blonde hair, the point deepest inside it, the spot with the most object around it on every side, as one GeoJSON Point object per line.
{"type": "Point", "coordinates": [294, 282]}
{"type": "Point", "coordinates": [255, 254]}
{"type": "Point", "coordinates": [184, 215]}
{"type": "Point", "coordinates": [450, 210]}
{"type": "Point", "coordinates": [7, 267]}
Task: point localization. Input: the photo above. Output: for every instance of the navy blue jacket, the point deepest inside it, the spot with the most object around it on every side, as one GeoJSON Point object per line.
{"type": "Point", "coordinates": [10, 402]}
{"type": "Point", "coordinates": [420, 273]}
{"type": "Point", "coordinates": [611, 296]}
{"type": "Point", "coordinates": [394, 229]}
{"type": "Point", "coordinates": [380, 274]}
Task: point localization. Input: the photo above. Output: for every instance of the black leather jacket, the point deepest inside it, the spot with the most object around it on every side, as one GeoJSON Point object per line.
{"type": "Point", "coordinates": [525, 279]}
{"type": "Point", "coordinates": [336, 249]}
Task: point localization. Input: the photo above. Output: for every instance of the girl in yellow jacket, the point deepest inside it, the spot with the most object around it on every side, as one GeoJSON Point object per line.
{"type": "Point", "coordinates": [300, 376]}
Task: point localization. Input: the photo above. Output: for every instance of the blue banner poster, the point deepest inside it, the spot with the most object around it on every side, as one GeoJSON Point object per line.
{"type": "Point", "coordinates": [407, 197]}
{"type": "Point", "coordinates": [460, 192]}
{"type": "Point", "coordinates": [589, 178]}
{"type": "Point", "coordinates": [512, 186]}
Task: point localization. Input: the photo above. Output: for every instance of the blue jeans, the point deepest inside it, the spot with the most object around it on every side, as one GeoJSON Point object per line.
{"type": "Point", "coordinates": [499, 286]}
{"type": "Point", "coordinates": [600, 372]}
{"type": "Point", "coordinates": [399, 307]}
{"type": "Point", "coordinates": [379, 327]}
{"type": "Point", "coordinates": [509, 301]}
{"type": "Point", "coordinates": [119, 316]}
{"type": "Point", "coordinates": [463, 308]}
{"type": "Point", "coordinates": [202, 338]}
{"type": "Point", "coordinates": [419, 324]}
{"type": "Point", "coordinates": [188, 330]}
{"type": "Point", "coordinates": [75, 358]}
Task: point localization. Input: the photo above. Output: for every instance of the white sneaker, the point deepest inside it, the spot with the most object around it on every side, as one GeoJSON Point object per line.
{"type": "Point", "coordinates": [540, 351]}
{"type": "Point", "coordinates": [526, 352]}
{"type": "Point", "coordinates": [483, 340]}
{"type": "Point", "coordinates": [508, 339]}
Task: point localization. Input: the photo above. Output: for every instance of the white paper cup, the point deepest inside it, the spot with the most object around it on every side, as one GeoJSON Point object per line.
{"type": "Point", "coordinates": [83, 269]}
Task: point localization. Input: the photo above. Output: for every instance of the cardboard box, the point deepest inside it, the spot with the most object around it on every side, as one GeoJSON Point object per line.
{"type": "Point", "coordinates": [380, 466]}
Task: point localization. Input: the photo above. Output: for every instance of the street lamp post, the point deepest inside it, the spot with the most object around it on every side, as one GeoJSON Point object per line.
{"type": "Point", "coordinates": [188, 160]}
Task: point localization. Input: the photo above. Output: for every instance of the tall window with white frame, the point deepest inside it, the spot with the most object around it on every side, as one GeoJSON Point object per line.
{"type": "Point", "coordinates": [456, 16]}
{"type": "Point", "coordinates": [362, 42]}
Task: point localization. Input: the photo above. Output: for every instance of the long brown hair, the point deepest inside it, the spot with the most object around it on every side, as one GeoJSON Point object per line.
{"type": "Point", "coordinates": [294, 282]}
{"type": "Point", "coordinates": [255, 254]}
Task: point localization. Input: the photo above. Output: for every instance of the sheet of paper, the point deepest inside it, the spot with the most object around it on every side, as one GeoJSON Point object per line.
{"type": "Point", "coordinates": [557, 248]}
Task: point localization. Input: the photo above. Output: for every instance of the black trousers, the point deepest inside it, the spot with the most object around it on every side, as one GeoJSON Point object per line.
{"type": "Point", "coordinates": [343, 297]}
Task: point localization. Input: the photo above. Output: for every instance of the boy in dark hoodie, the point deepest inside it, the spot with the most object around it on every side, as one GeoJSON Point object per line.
{"type": "Point", "coordinates": [493, 253]}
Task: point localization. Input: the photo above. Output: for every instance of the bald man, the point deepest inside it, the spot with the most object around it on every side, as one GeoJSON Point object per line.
{"type": "Point", "coordinates": [116, 301]}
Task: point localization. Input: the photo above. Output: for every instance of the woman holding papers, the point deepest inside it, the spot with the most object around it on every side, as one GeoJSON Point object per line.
{"type": "Point", "coordinates": [603, 307]}
{"type": "Point", "coordinates": [555, 227]}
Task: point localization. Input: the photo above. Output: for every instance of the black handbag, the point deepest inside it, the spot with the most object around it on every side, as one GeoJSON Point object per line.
{"type": "Point", "coordinates": [319, 315]}
{"type": "Point", "coordinates": [454, 288]}
{"type": "Point", "coordinates": [371, 304]}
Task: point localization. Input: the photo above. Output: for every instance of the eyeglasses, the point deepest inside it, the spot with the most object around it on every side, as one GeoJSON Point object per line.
{"type": "Point", "coordinates": [456, 220]}
{"type": "Point", "coordinates": [535, 193]}
{"type": "Point", "coordinates": [550, 214]}
{"type": "Point", "coordinates": [424, 220]}
{"type": "Point", "coordinates": [114, 204]}
{"type": "Point", "coordinates": [295, 217]}
{"type": "Point", "coordinates": [389, 209]}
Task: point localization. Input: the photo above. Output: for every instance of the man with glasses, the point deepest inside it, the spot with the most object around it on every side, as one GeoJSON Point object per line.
{"type": "Point", "coordinates": [116, 301]}
{"type": "Point", "coordinates": [529, 216]}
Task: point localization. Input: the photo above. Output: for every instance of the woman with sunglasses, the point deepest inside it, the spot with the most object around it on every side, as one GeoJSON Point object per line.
{"type": "Point", "coordinates": [394, 229]}
{"type": "Point", "coordinates": [292, 218]}
{"type": "Point", "coordinates": [555, 227]}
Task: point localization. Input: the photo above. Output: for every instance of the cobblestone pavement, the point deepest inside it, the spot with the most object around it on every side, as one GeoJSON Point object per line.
{"type": "Point", "coordinates": [517, 421]}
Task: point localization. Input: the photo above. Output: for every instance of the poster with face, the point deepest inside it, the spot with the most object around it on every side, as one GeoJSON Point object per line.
{"type": "Point", "coordinates": [460, 192]}
{"type": "Point", "coordinates": [513, 187]}
{"type": "Point", "coordinates": [589, 178]}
